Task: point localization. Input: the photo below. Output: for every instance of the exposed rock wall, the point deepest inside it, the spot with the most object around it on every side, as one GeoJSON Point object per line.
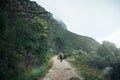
{"type": "Point", "coordinates": [27, 9]}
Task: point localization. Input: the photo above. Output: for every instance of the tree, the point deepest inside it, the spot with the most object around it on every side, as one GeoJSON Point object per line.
{"type": "Point", "coordinates": [107, 48]}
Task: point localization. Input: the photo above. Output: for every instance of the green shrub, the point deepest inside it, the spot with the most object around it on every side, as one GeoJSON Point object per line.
{"type": "Point", "coordinates": [107, 55]}
{"type": "Point", "coordinates": [23, 45]}
{"type": "Point", "coordinates": [80, 61]}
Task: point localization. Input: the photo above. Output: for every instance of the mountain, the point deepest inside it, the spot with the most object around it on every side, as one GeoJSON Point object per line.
{"type": "Point", "coordinates": [60, 38]}
{"type": "Point", "coordinates": [27, 34]}
{"type": "Point", "coordinates": [64, 40]}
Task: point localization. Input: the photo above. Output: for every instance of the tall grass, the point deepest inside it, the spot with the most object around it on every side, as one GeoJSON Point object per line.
{"type": "Point", "coordinates": [88, 72]}
{"type": "Point", "coordinates": [36, 72]}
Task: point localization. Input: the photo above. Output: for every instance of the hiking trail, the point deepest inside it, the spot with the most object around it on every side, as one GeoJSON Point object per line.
{"type": "Point", "coordinates": [62, 71]}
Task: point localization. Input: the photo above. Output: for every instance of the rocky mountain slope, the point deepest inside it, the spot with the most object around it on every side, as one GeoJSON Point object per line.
{"type": "Point", "coordinates": [27, 34]}
{"type": "Point", "coordinates": [60, 38]}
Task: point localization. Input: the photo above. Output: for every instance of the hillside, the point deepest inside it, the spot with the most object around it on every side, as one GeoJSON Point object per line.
{"type": "Point", "coordinates": [61, 38]}
{"type": "Point", "coordinates": [64, 40]}
{"type": "Point", "coordinates": [28, 34]}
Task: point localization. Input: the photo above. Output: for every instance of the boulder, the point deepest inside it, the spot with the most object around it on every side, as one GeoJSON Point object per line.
{"type": "Point", "coordinates": [107, 72]}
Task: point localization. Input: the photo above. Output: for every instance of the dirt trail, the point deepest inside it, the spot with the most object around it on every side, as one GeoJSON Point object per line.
{"type": "Point", "coordinates": [62, 71]}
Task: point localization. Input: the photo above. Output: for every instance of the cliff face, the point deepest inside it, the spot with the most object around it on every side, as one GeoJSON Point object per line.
{"type": "Point", "coordinates": [60, 38]}
{"type": "Point", "coordinates": [26, 9]}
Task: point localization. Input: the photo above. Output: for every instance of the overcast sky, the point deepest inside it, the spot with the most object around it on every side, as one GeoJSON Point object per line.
{"type": "Point", "coordinates": [99, 19]}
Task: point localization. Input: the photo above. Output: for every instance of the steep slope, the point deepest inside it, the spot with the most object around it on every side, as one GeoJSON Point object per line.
{"type": "Point", "coordinates": [60, 38]}
{"type": "Point", "coordinates": [28, 32]}
{"type": "Point", "coordinates": [24, 42]}
{"type": "Point", "coordinates": [64, 40]}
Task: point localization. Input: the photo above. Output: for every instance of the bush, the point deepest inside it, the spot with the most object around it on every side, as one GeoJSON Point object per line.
{"type": "Point", "coordinates": [107, 55]}
{"type": "Point", "coordinates": [80, 62]}
{"type": "Point", "coordinates": [23, 44]}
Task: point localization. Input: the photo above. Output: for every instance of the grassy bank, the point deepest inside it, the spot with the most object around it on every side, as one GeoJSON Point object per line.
{"type": "Point", "coordinates": [83, 69]}
{"type": "Point", "coordinates": [35, 72]}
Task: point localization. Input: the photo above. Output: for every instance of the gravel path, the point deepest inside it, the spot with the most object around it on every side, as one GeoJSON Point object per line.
{"type": "Point", "coordinates": [62, 71]}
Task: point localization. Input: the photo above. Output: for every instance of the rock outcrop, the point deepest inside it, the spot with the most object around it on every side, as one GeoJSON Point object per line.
{"type": "Point", "coordinates": [107, 72]}
{"type": "Point", "coordinates": [27, 9]}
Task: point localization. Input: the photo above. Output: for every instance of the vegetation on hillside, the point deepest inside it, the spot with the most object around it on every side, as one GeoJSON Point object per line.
{"type": "Point", "coordinates": [78, 59]}
{"type": "Point", "coordinates": [65, 41]}
{"type": "Point", "coordinates": [24, 45]}
{"type": "Point", "coordinates": [107, 55]}
{"type": "Point", "coordinates": [92, 65]}
{"type": "Point", "coordinates": [27, 39]}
